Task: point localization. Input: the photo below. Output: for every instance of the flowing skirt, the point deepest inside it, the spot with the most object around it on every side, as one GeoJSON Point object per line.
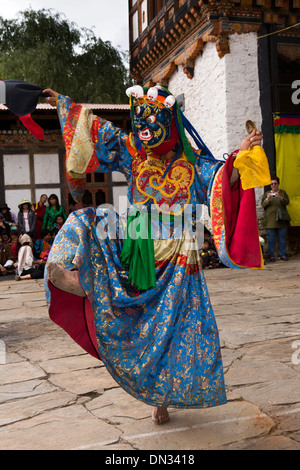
{"type": "Point", "coordinates": [161, 345]}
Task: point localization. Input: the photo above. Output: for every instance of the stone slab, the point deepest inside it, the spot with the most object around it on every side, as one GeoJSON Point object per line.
{"type": "Point", "coordinates": [18, 410]}
{"type": "Point", "coordinates": [200, 429]}
{"type": "Point", "coordinates": [254, 333]}
{"type": "Point", "coordinates": [24, 389]}
{"type": "Point", "coordinates": [267, 395]}
{"type": "Point", "coordinates": [278, 350]}
{"type": "Point", "coordinates": [253, 372]}
{"type": "Point", "coordinates": [69, 363]}
{"type": "Point", "coordinates": [265, 443]}
{"type": "Point", "coordinates": [20, 372]}
{"type": "Point", "coordinates": [84, 381]}
{"type": "Point", "coordinates": [118, 406]}
{"type": "Point", "coordinates": [67, 428]}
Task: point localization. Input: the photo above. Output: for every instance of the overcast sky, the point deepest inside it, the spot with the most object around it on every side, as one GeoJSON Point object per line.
{"type": "Point", "coordinates": [108, 17]}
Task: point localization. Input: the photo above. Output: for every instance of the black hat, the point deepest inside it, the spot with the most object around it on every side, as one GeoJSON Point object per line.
{"type": "Point", "coordinates": [21, 98]}
{"type": "Point", "coordinates": [4, 206]}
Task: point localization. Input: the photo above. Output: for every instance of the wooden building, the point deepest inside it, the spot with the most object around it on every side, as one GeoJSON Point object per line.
{"type": "Point", "coordinates": [229, 60]}
{"type": "Point", "coordinates": [30, 167]}
{"type": "Point", "coordinates": [170, 35]}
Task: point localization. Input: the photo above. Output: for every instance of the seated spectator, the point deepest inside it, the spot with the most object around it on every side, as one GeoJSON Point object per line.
{"type": "Point", "coordinates": [6, 237]}
{"type": "Point", "coordinates": [6, 259]}
{"type": "Point", "coordinates": [4, 227]}
{"type": "Point", "coordinates": [15, 244]}
{"type": "Point", "coordinates": [208, 256]}
{"type": "Point", "coordinates": [26, 218]}
{"type": "Point", "coordinates": [42, 246]}
{"type": "Point", "coordinates": [27, 267]}
{"type": "Point", "coordinates": [262, 242]}
{"type": "Point", "coordinates": [54, 232]}
{"type": "Point", "coordinates": [214, 262]}
{"type": "Point", "coordinates": [9, 216]}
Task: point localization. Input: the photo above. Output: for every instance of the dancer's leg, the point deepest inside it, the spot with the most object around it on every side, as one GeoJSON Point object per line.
{"type": "Point", "coordinates": [160, 415]}
{"type": "Point", "coordinates": [65, 280]}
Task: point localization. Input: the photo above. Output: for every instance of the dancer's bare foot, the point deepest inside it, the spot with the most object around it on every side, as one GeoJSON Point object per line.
{"type": "Point", "coordinates": [65, 280]}
{"type": "Point", "coordinates": [160, 415]}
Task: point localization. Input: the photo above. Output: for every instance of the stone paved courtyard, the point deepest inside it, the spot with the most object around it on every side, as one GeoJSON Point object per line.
{"type": "Point", "coordinates": [54, 396]}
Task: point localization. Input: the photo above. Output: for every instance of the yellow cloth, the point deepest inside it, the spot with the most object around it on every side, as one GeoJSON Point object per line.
{"type": "Point", "coordinates": [82, 146]}
{"type": "Point", "coordinates": [253, 167]}
{"type": "Point", "coordinates": [288, 170]}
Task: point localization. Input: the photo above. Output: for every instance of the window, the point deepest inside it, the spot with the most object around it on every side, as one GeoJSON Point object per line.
{"type": "Point", "coordinates": [135, 26]}
{"type": "Point", "coordinates": [144, 14]}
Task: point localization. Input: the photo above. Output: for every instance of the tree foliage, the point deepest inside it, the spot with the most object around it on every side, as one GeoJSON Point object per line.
{"type": "Point", "coordinates": [43, 47]}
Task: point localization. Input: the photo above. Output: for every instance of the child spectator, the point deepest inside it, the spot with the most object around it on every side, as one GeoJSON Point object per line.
{"type": "Point", "coordinates": [59, 222]}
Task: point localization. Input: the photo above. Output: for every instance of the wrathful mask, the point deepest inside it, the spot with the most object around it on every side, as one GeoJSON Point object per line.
{"type": "Point", "coordinates": [152, 124]}
{"type": "Point", "coordinates": [159, 125]}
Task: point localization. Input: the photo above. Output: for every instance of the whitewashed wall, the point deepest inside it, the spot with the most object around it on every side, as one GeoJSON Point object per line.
{"type": "Point", "coordinates": [205, 103]}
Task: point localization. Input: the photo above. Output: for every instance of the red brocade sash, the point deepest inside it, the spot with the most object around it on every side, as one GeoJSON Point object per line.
{"type": "Point", "coordinates": [234, 222]}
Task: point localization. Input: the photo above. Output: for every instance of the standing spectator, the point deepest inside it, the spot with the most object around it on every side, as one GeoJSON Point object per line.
{"type": "Point", "coordinates": [9, 216]}
{"type": "Point", "coordinates": [52, 211]}
{"type": "Point", "coordinates": [274, 203]}
{"type": "Point", "coordinates": [39, 209]}
{"type": "Point", "coordinates": [26, 218]}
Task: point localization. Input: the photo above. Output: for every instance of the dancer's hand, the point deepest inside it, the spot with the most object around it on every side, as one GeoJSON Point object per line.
{"type": "Point", "coordinates": [252, 139]}
{"type": "Point", "coordinates": [52, 98]}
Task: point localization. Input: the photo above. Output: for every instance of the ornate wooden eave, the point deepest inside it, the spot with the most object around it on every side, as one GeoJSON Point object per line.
{"type": "Point", "coordinates": [179, 32]}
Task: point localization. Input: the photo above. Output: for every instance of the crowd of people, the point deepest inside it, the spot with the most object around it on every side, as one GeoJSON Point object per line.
{"type": "Point", "coordinates": [26, 237]}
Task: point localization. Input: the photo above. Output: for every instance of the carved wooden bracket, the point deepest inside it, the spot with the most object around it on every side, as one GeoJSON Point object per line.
{"type": "Point", "coordinates": [188, 69]}
{"type": "Point", "coordinates": [222, 45]}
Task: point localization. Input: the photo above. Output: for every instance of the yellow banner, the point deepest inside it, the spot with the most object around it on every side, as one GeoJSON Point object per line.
{"type": "Point", "coordinates": [288, 170]}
